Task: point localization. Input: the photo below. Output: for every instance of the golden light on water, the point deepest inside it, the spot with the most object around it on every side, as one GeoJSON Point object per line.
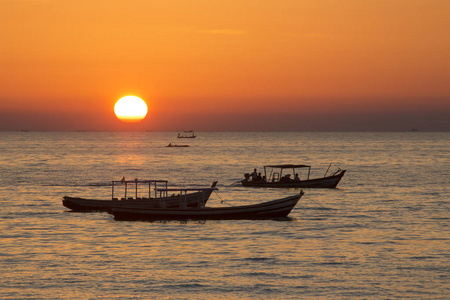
{"type": "Point", "coordinates": [130, 109]}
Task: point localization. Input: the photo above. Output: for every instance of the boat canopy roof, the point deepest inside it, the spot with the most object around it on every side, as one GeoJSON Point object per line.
{"type": "Point", "coordinates": [287, 166]}
{"type": "Point", "coordinates": [138, 181]}
{"type": "Point", "coordinates": [186, 190]}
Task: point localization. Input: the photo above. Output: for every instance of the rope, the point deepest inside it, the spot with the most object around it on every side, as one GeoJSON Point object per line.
{"type": "Point", "coordinates": [221, 200]}
{"type": "Point", "coordinates": [319, 204]}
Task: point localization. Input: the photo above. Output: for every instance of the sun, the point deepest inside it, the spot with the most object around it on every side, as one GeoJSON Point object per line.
{"type": "Point", "coordinates": [130, 109]}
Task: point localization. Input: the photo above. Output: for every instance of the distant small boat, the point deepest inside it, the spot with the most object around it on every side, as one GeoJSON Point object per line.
{"type": "Point", "coordinates": [170, 145]}
{"type": "Point", "coordinates": [189, 197]}
{"type": "Point", "coordinates": [187, 135]}
{"type": "Point", "coordinates": [267, 210]}
{"type": "Point", "coordinates": [275, 179]}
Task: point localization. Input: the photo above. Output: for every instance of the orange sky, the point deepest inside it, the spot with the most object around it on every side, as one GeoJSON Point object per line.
{"type": "Point", "coordinates": [226, 58]}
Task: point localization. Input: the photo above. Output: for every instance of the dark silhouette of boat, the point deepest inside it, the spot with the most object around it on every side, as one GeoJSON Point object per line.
{"type": "Point", "coordinates": [195, 197]}
{"type": "Point", "coordinates": [171, 145]}
{"type": "Point", "coordinates": [275, 179]}
{"type": "Point", "coordinates": [267, 210]}
{"type": "Point", "coordinates": [187, 135]}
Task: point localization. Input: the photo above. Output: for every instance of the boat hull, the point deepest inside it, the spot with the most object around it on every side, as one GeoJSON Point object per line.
{"type": "Point", "coordinates": [268, 210]}
{"type": "Point", "coordinates": [196, 199]}
{"type": "Point", "coordinates": [329, 182]}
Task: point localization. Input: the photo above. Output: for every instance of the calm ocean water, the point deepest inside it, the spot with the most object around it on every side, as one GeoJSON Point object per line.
{"type": "Point", "coordinates": [384, 233]}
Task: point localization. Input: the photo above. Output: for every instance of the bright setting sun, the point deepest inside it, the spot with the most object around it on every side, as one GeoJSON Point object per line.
{"type": "Point", "coordinates": [130, 109]}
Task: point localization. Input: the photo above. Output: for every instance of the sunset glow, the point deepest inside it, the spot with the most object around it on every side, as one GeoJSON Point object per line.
{"type": "Point", "coordinates": [130, 109]}
{"type": "Point", "coordinates": [215, 65]}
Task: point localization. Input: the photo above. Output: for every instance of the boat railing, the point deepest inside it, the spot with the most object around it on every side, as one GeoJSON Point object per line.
{"type": "Point", "coordinates": [275, 176]}
{"type": "Point", "coordinates": [183, 193]}
{"type": "Point", "coordinates": [152, 185]}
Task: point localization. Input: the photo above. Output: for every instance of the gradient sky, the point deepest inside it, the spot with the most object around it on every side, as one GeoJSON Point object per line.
{"type": "Point", "coordinates": [226, 65]}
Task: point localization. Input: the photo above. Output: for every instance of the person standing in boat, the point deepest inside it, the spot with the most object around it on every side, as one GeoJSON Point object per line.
{"type": "Point", "coordinates": [254, 175]}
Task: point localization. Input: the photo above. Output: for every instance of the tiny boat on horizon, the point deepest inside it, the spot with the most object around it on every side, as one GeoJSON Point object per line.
{"type": "Point", "coordinates": [171, 145]}
{"type": "Point", "coordinates": [189, 134]}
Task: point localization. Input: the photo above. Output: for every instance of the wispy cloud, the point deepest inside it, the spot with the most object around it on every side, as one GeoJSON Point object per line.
{"type": "Point", "coordinates": [224, 31]}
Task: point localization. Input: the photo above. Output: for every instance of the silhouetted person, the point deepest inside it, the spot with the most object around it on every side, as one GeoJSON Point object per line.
{"type": "Point", "coordinates": [259, 177]}
{"type": "Point", "coordinates": [286, 179]}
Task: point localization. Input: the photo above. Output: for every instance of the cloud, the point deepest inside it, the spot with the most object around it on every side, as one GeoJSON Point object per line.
{"type": "Point", "coordinates": [224, 31]}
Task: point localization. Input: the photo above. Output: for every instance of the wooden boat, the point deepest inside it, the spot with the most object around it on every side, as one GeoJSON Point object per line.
{"type": "Point", "coordinates": [196, 197]}
{"type": "Point", "coordinates": [277, 180]}
{"type": "Point", "coordinates": [267, 210]}
{"type": "Point", "coordinates": [170, 145]}
{"type": "Point", "coordinates": [187, 135]}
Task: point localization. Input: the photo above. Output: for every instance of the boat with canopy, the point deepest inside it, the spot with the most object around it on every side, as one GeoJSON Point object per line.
{"type": "Point", "coordinates": [136, 195]}
{"type": "Point", "coordinates": [189, 134]}
{"type": "Point", "coordinates": [286, 176]}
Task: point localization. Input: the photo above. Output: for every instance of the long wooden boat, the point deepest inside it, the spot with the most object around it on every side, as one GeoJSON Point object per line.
{"type": "Point", "coordinates": [267, 210]}
{"type": "Point", "coordinates": [193, 197]}
{"type": "Point", "coordinates": [275, 179]}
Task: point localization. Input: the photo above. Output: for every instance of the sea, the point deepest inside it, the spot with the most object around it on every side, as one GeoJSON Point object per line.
{"type": "Point", "coordinates": [383, 233]}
